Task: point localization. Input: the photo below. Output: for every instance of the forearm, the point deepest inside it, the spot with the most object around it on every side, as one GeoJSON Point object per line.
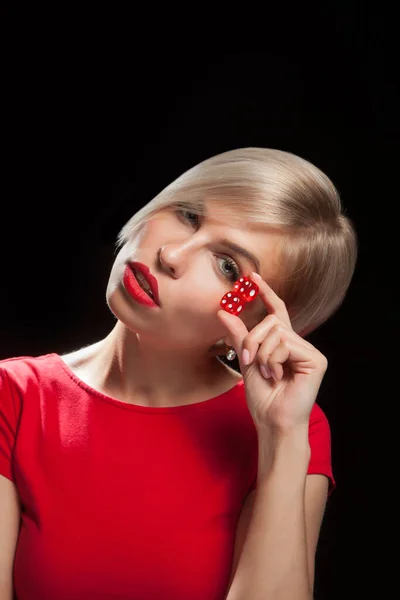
{"type": "Point", "coordinates": [273, 563]}
{"type": "Point", "coordinates": [6, 591]}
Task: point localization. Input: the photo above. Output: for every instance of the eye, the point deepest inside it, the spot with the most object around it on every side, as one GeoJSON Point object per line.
{"type": "Point", "coordinates": [182, 211]}
{"type": "Point", "coordinates": [234, 273]}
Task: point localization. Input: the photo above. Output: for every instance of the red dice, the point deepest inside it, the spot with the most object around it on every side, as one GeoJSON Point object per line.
{"type": "Point", "coordinates": [232, 303]}
{"type": "Point", "coordinates": [244, 290]}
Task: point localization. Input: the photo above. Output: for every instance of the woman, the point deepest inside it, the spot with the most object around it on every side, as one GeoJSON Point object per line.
{"type": "Point", "coordinates": [143, 466]}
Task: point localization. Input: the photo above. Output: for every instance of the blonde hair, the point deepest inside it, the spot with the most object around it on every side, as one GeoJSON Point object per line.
{"type": "Point", "coordinates": [289, 196]}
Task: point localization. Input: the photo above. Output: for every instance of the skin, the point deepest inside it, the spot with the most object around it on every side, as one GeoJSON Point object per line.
{"type": "Point", "coordinates": [158, 356]}
{"type": "Point", "coordinates": [279, 525]}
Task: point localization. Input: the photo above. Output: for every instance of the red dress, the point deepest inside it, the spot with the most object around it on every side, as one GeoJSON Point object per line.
{"type": "Point", "coordinates": [124, 501]}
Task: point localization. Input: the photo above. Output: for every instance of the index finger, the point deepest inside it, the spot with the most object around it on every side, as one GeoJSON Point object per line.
{"type": "Point", "coordinates": [273, 303]}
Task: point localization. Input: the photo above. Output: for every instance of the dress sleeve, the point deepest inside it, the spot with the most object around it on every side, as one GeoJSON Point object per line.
{"type": "Point", "coordinates": [319, 435]}
{"type": "Point", "coordinates": [8, 426]}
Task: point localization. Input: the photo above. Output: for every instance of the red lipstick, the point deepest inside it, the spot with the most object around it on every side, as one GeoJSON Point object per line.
{"type": "Point", "coordinates": [135, 290]}
{"type": "Point", "coordinates": [151, 280]}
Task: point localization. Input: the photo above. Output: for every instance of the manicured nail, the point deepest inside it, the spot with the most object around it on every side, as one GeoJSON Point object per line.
{"type": "Point", "coordinates": [256, 275]}
{"type": "Point", "coordinates": [265, 371]}
{"type": "Point", "coordinates": [245, 357]}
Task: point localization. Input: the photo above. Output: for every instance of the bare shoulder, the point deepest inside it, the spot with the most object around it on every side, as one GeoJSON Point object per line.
{"type": "Point", "coordinates": [77, 359]}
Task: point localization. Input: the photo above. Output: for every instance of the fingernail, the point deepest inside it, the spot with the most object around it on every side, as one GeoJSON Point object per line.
{"type": "Point", "coordinates": [265, 371]}
{"type": "Point", "coordinates": [245, 357]}
{"type": "Point", "coordinates": [256, 275]}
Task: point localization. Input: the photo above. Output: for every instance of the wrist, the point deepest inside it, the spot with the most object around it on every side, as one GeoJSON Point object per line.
{"type": "Point", "coordinates": [286, 453]}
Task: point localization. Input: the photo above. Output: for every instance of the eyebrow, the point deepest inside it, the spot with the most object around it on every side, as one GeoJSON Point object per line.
{"type": "Point", "coordinates": [243, 252]}
{"type": "Point", "coordinates": [234, 247]}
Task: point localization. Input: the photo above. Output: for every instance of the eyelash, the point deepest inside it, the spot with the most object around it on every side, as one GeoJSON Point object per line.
{"type": "Point", "coordinates": [234, 276]}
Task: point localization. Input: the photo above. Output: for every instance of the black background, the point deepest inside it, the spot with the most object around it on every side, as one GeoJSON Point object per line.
{"type": "Point", "coordinates": [99, 119]}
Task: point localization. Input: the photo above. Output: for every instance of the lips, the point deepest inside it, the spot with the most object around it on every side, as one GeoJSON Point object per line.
{"type": "Point", "coordinates": [151, 280]}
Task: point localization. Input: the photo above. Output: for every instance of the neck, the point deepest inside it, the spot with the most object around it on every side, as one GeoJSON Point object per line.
{"type": "Point", "coordinates": [124, 365]}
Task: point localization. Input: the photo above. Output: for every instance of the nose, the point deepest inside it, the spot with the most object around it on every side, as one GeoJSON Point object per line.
{"type": "Point", "coordinates": [166, 261]}
{"type": "Point", "coordinates": [174, 257]}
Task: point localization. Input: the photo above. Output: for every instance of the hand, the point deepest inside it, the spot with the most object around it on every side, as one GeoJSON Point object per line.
{"type": "Point", "coordinates": [284, 400]}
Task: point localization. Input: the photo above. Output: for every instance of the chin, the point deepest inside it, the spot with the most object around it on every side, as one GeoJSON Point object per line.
{"type": "Point", "coordinates": [122, 310]}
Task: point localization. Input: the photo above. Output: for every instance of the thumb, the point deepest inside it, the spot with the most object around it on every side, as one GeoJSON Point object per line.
{"type": "Point", "coordinates": [236, 329]}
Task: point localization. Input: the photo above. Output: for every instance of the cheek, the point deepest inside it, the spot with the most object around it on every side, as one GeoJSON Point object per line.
{"type": "Point", "coordinates": [254, 317]}
{"type": "Point", "coordinates": [198, 304]}
{"type": "Point", "coordinates": [197, 311]}
{"type": "Point", "coordinates": [117, 270]}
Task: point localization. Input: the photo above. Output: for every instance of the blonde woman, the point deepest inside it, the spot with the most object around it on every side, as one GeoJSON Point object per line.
{"type": "Point", "coordinates": [143, 467]}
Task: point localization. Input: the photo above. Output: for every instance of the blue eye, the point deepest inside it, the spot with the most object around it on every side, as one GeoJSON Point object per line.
{"type": "Point", "coordinates": [235, 271]}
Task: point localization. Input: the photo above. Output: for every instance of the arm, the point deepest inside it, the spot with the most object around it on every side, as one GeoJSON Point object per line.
{"type": "Point", "coordinates": [9, 530]}
{"type": "Point", "coordinates": [278, 529]}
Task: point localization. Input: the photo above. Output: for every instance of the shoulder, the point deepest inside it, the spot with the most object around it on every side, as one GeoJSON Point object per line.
{"type": "Point", "coordinates": [319, 434]}
{"type": "Point", "coordinates": [23, 374]}
{"type": "Point", "coordinates": [18, 367]}
{"type": "Point", "coordinates": [317, 415]}
{"type": "Point", "coordinates": [318, 423]}
{"type": "Point", "coordinates": [78, 359]}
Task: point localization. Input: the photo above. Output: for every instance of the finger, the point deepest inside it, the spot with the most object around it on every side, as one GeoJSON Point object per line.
{"type": "Point", "coordinates": [271, 341]}
{"type": "Point", "coordinates": [299, 358]}
{"type": "Point", "coordinates": [260, 332]}
{"type": "Point", "coordinates": [236, 329]}
{"type": "Point", "coordinates": [277, 358]}
{"type": "Point", "coordinates": [273, 303]}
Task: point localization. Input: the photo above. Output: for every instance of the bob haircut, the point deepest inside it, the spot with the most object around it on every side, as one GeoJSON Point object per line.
{"type": "Point", "coordinates": [287, 195]}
